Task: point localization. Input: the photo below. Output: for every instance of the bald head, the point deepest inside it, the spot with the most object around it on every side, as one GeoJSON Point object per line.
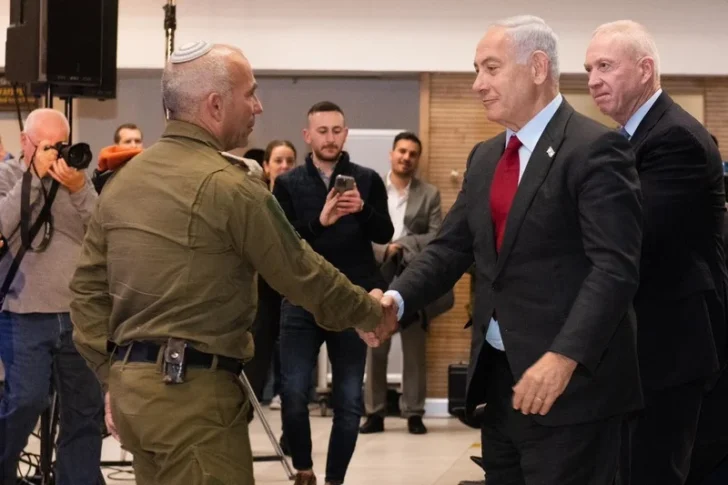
{"type": "Point", "coordinates": [215, 91]}
{"type": "Point", "coordinates": [187, 84]}
{"type": "Point", "coordinates": [43, 124]}
{"type": "Point", "coordinates": [623, 67]}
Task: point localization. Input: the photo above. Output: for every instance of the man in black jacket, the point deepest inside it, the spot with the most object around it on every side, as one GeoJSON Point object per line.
{"type": "Point", "coordinates": [680, 303]}
{"type": "Point", "coordinates": [340, 226]}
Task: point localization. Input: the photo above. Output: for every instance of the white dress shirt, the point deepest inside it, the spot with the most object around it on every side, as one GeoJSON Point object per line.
{"type": "Point", "coordinates": [397, 201]}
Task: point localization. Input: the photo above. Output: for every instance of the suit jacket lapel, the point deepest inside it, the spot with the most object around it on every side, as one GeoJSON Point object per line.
{"type": "Point", "coordinates": [536, 171]}
{"type": "Point", "coordinates": [663, 102]}
{"type": "Point", "coordinates": [414, 201]}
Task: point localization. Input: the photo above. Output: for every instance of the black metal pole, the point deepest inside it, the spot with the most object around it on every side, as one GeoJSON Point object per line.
{"type": "Point", "coordinates": [170, 25]}
{"type": "Point", "coordinates": [46, 418]}
{"type": "Point", "coordinates": [49, 97]}
{"type": "Point", "coordinates": [69, 117]}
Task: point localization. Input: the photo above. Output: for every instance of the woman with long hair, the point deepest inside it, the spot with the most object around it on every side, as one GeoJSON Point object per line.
{"type": "Point", "coordinates": [279, 158]}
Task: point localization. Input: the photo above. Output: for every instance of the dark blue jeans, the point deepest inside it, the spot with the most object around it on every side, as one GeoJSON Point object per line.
{"type": "Point", "coordinates": [34, 349]}
{"type": "Point", "coordinates": [301, 339]}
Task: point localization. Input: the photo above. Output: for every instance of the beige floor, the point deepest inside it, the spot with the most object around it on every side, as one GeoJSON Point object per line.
{"type": "Point", "coordinates": [395, 457]}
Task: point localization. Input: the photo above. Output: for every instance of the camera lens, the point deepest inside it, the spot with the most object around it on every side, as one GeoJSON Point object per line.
{"type": "Point", "coordinates": [77, 156]}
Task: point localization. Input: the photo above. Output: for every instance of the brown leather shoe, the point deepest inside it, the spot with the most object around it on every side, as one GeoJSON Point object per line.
{"type": "Point", "coordinates": [305, 479]}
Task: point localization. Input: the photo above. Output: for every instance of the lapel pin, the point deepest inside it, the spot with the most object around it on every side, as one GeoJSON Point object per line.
{"type": "Point", "coordinates": [550, 152]}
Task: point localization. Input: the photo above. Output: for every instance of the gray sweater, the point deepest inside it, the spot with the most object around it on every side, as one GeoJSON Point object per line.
{"type": "Point", "coordinates": [41, 283]}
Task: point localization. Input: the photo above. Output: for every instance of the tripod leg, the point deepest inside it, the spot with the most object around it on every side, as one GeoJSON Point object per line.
{"type": "Point", "coordinates": [259, 411]}
{"type": "Point", "coordinates": [48, 423]}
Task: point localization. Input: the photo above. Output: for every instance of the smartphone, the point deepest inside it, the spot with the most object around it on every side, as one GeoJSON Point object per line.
{"type": "Point", "coordinates": [344, 183]}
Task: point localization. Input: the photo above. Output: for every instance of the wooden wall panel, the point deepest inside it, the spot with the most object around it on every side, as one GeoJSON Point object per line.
{"type": "Point", "coordinates": [456, 123]}
{"type": "Point", "coordinates": [452, 121]}
{"type": "Point", "coordinates": [716, 111]}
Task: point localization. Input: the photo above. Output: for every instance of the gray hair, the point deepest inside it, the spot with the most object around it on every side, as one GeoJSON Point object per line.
{"type": "Point", "coordinates": [38, 116]}
{"type": "Point", "coordinates": [185, 85]}
{"type": "Point", "coordinates": [530, 34]}
{"type": "Point", "coordinates": [636, 36]}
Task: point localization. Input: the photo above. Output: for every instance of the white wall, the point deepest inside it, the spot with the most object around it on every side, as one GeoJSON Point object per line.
{"type": "Point", "coordinates": [372, 102]}
{"type": "Point", "coordinates": [368, 103]}
{"type": "Point", "coordinates": [408, 35]}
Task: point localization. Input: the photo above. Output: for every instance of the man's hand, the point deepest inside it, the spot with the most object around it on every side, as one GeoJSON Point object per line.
{"type": "Point", "coordinates": [350, 201]}
{"type": "Point", "coordinates": [542, 384]}
{"type": "Point", "coordinates": [391, 249]}
{"type": "Point", "coordinates": [108, 419]}
{"type": "Point", "coordinates": [331, 212]}
{"type": "Point", "coordinates": [369, 337]}
{"type": "Point", "coordinates": [389, 324]}
{"type": "Point", "coordinates": [45, 156]}
{"type": "Point", "coordinates": [70, 178]}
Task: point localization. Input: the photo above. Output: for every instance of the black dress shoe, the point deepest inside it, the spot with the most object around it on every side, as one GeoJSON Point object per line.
{"type": "Point", "coordinates": [373, 424]}
{"type": "Point", "coordinates": [415, 425]}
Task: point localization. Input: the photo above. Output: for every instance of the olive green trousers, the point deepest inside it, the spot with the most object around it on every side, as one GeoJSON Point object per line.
{"type": "Point", "coordinates": [194, 433]}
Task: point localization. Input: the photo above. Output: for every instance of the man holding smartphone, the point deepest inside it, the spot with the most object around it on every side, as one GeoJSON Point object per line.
{"type": "Point", "coordinates": [339, 208]}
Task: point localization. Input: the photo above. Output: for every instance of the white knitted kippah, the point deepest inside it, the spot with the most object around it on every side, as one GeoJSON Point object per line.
{"type": "Point", "coordinates": [190, 52]}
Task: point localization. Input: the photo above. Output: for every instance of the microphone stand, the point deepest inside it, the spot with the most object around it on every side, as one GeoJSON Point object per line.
{"type": "Point", "coordinates": [49, 416]}
{"type": "Point", "coordinates": [170, 25]}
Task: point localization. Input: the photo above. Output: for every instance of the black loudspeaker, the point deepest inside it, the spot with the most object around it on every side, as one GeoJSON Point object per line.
{"type": "Point", "coordinates": [109, 25]}
{"type": "Point", "coordinates": [69, 44]}
{"type": "Point", "coordinates": [457, 378]}
{"type": "Point", "coordinates": [25, 44]}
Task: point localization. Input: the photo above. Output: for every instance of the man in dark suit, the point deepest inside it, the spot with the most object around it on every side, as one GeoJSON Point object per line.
{"type": "Point", "coordinates": [709, 461]}
{"type": "Point", "coordinates": [550, 213]}
{"type": "Point", "coordinates": [680, 303]}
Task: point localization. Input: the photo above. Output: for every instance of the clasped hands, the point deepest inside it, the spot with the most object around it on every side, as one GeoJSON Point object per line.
{"type": "Point", "coordinates": [388, 325]}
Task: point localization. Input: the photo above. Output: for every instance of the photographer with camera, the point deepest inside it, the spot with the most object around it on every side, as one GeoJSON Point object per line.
{"type": "Point", "coordinates": [46, 201]}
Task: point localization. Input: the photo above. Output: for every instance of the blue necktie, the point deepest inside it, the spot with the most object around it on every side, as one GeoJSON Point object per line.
{"type": "Point", "coordinates": [624, 133]}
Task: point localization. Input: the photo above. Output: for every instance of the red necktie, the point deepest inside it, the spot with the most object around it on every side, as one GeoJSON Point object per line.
{"type": "Point", "coordinates": [503, 189]}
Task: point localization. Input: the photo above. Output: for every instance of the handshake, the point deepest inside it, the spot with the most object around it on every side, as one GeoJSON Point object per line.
{"type": "Point", "coordinates": [388, 324]}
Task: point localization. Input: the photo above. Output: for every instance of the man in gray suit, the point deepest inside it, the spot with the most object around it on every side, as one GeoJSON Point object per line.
{"type": "Point", "coordinates": [414, 207]}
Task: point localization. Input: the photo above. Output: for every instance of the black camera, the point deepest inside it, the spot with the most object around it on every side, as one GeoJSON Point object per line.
{"type": "Point", "coordinates": [77, 156]}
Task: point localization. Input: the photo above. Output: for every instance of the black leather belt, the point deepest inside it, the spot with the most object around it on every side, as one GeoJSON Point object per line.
{"type": "Point", "coordinates": [148, 352]}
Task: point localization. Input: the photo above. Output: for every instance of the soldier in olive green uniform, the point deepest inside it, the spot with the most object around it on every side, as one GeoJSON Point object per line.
{"type": "Point", "coordinates": [172, 252]}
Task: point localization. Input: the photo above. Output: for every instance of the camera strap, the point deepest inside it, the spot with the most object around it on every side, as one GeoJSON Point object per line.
{"type": "Point", "coordinates": [28, 234]}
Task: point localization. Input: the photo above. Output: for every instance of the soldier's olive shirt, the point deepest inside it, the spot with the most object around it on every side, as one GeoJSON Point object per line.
{"type": "Point", "coordinates": [173, 248]}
